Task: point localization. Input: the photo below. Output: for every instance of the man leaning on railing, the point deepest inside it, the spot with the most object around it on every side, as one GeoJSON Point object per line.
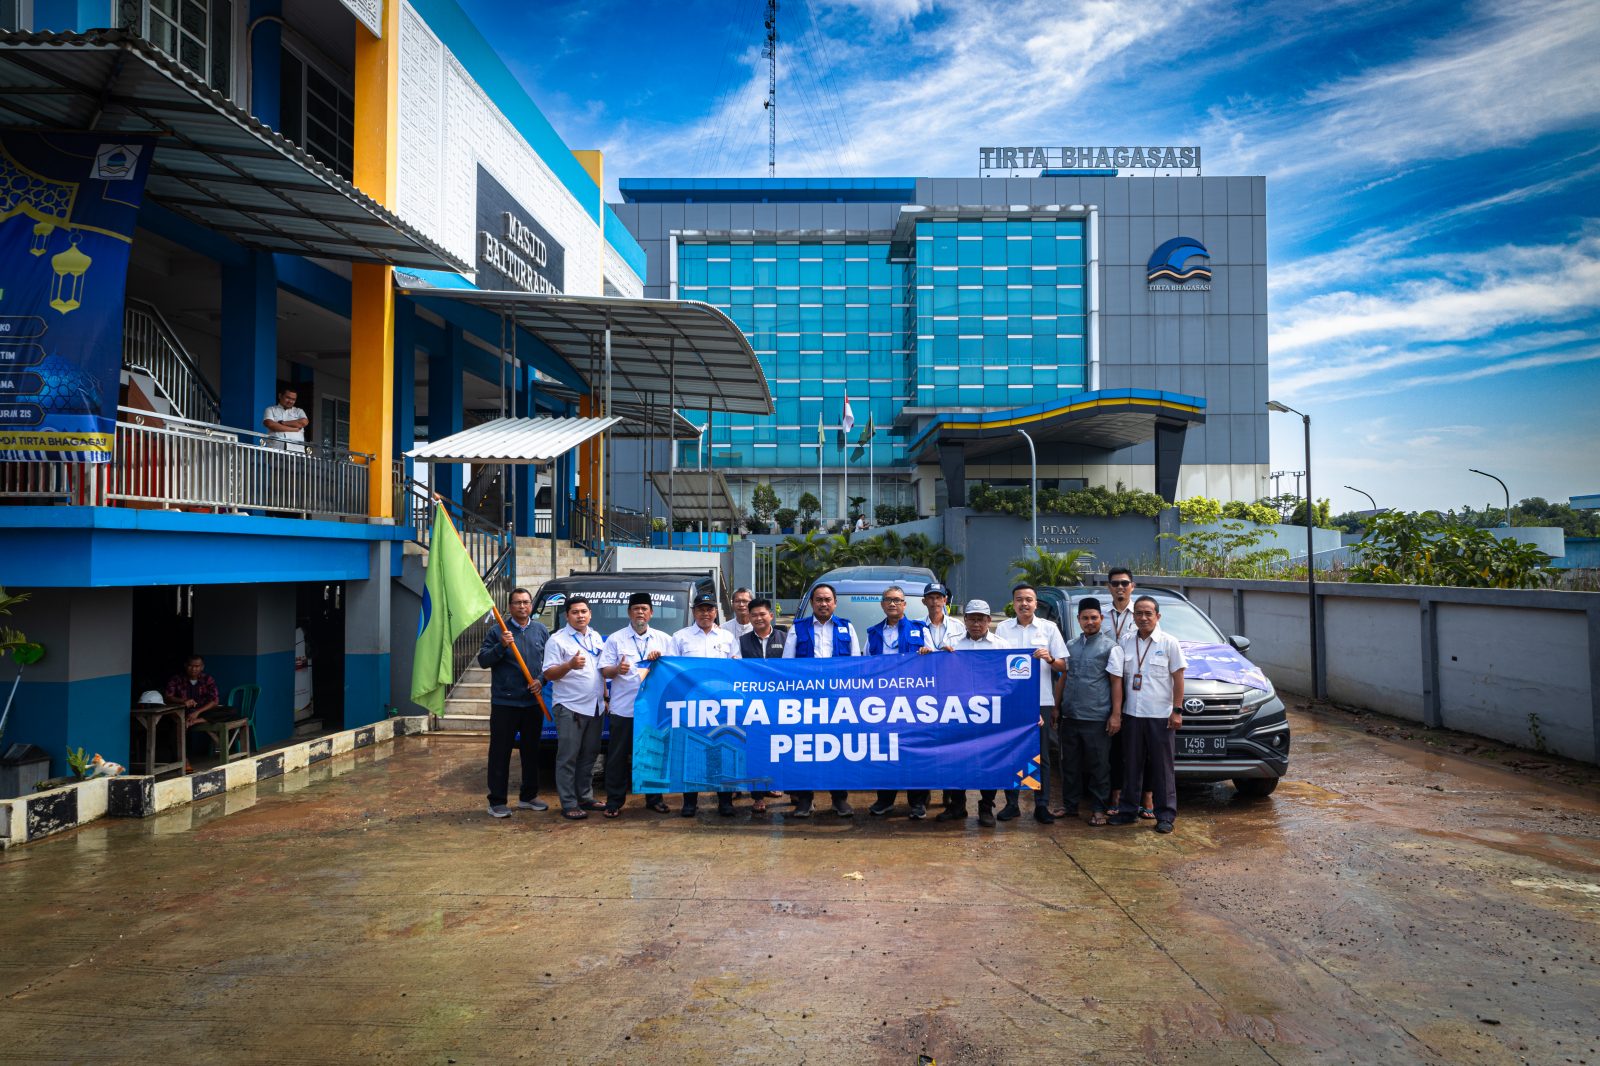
{"type": "Point", "coordinates": [286, 422]}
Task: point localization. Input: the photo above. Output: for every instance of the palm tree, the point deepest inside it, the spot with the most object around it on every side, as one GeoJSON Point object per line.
{"type": "Point", "coordinates": [940, 559]}
{"type": "Point", "coordinates": [1050, 568]}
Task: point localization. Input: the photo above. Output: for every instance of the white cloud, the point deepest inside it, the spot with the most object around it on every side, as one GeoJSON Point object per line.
{"type": "Point", "coordinates": [1524, 71]}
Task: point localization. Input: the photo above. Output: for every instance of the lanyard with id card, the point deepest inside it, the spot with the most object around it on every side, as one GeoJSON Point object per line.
{"type": "Point", "coordinates": [1138, 666]}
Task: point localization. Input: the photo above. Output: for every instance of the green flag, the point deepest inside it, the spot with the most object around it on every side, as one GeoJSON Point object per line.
{"type": "Point", "coordinates": [453, 598]}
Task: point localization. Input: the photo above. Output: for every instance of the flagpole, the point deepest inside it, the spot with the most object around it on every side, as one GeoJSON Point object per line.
{"type": "Point", "coordinates": [515, 651]}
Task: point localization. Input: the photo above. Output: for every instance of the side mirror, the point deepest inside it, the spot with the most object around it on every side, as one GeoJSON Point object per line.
{"type": "Point", "coordinates": [1239, 642]}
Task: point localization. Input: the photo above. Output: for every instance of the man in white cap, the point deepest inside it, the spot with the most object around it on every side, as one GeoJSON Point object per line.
{"type": "Point", "coordinates": [976, 638]}
{"type": "Point", "coordinates": [625, 661]}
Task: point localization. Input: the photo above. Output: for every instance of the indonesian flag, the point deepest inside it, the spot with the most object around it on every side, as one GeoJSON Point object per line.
{"type": "Point", "coordinates": [849, 421]}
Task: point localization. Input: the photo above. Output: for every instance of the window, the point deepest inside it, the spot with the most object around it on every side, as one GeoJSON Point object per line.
{"type": "Point", "coordinates": [14, 15]}
{"type": "Point", "coordinates": [318, 113]}
{"type": "Point", "coordinates": [197, 33]}
{"type": "Point", "coordinates": [333, 430]}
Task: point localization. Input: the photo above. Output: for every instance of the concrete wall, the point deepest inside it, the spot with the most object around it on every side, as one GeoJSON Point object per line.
{"type": "Point", "coordinates": [1479, 660]}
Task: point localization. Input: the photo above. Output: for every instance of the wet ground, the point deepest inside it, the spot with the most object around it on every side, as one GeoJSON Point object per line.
{"type": "Point", "coordinates": [1389, 904]}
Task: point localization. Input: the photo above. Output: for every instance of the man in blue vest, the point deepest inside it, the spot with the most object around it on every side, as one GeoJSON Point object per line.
{"type": "Point", "coordinates": [898, 635]}
{"type": "Point", "coordinates": [822, 636]}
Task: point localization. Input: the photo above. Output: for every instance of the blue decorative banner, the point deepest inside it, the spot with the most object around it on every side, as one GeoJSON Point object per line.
{"type": "Point", "coordinates": [68, 206]}
{"type": "Point", "coordinates": [1222, 662]}
{"type": "Point", "coordinates": [950, 720]}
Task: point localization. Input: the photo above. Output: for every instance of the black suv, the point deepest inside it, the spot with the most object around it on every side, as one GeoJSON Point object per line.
{"type": "Point", "coordinates": [1230, 731]}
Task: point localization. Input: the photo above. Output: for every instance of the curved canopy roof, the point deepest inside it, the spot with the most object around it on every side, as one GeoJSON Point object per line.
{"type": "Point", "coordinates": [214, 163]}
{"type": "Point", "coordinates": [676, 353]}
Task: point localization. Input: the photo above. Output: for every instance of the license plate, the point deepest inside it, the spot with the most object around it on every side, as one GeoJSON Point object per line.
{"type": "Point", "coordinates": [1202, 747]}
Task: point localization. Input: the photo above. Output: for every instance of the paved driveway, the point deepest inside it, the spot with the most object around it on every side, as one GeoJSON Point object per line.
{"type": "Point", "coordinates": [1388, 904]}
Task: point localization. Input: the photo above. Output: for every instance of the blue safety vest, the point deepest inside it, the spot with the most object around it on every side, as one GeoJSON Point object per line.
{"type": "Point", "coordinates": [805, 640]}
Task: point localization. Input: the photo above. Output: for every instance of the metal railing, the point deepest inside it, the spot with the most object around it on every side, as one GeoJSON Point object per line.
{"type": "Point", "coordinates": [149, 345]}
{"type": "Point", "coordinates": [592, 532]}
{"type": "Point", "coordinates": [178, 463]}
{"type": "Point", "coordinates": [500, 580]}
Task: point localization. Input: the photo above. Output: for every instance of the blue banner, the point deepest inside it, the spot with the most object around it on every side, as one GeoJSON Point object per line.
{"type": "Point", "coordinates": [951, 720]}
{"type": "Point", "coordinates": [1222, 662]}
{"type": "Point", "coordinates": [68, 206]}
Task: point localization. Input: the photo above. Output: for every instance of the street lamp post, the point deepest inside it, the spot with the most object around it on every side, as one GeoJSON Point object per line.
{"type": "Point", "coordinates": [1368, 495]}
{"type": "Point", "coordinates": [1311, 558]}
{"type": "Point", "coordinates": [1485, 473]}
{"type": "Point", "coordinates": [1033, 480]}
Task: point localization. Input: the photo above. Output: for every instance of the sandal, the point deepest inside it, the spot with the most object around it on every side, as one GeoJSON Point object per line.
{"type": "Point", "coordinates": [1147, 813]}
{"type": "Point", "coordinates": [1098, 818]}
{"type": "Point", "coordinates": [575, 814]}
{"type": "Point", "coordinates": [760, 807]}
{"type": "Point", "coordinates": [592, 805]}
{"type": "Point", "coordinates": [659, 806]}
{"type": "Point", "coordinates": [613, 812]}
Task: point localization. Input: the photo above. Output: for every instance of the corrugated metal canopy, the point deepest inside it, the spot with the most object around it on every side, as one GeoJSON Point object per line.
{"type": "Point", "coordinates": [676, 353]}
{"type": "Point", "coordinates": [214, 163]}
{"type": "Point", "coordinates": [517, 441]}
{"type": "Point", "coordinates": [687, 491]}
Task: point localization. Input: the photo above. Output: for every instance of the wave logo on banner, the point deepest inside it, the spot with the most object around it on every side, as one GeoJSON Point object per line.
{"type": "Point", "coordinates": [68, 206]}
{"type": "Point", "coordinates": [959, 720]}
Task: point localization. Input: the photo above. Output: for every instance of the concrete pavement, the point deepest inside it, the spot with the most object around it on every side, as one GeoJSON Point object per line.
{"type": "Point", "coordinates": [1387, 904]}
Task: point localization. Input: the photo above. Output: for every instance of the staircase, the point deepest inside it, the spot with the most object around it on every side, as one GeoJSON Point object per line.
{"type": "Point", "coordinates": [533, 561]}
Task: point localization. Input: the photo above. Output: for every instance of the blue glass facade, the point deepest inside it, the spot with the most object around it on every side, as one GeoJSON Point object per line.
{"type": "Point", "coordinates": [827, 320]}
{"type": "Point", "coordinates": [996, 312]}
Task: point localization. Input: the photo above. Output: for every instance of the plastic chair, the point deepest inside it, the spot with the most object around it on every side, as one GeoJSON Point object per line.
{"type": "Point", "coordinates": [242, 698]}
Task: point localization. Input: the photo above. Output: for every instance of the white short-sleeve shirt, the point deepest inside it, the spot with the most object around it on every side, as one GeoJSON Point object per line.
{"type": "Point", "coordinates": [1154, 661]}
{"type": "Point", "coordinates": [697, 643]}
{"type": "Point", "coordinates": [580, 691]}
{"type": "Point", "coordinates": [626, 644]}
{"type": "Point", "coordinates": [1042, 633]}
{"type": "Point", "coordinates": [279, 413]}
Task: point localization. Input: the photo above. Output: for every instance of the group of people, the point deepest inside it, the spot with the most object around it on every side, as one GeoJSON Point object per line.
{"type": "Point", "coordinates": [1112, 696]}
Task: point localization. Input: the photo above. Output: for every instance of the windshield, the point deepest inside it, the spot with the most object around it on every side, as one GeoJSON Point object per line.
{"type": "Point", "coordinates": [1186, 622]}
{"type": "Point", "coordinates": [609, 609]}
{"type": "Point", "coordinates": [865, 609]}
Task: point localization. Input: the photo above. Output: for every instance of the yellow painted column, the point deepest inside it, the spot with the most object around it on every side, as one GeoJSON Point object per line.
{"type": "Point", "coordinates": [377, 117]}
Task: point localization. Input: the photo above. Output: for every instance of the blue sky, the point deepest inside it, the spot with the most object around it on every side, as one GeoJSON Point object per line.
{"type": "Point", "coordinates": [1433, 176]}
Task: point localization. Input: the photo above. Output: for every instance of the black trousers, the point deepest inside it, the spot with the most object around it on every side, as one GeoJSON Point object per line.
{"type": "Point", "coordinates": [505, 722]}
{"type": "Point", "coordinates": [619, 761]}
{"type": "Point", "coordinates": [1147, 750]}
{"type": "Point", "coordinates": [692, 799]}
{"type": "Point", "coordinates": [805, 799]}
{"type": "Point", "coordinates": [917, 797]}
{"type": "Point", "coordinates": [956, 798]}
{"type": "Point", "coordinates": [1085, 763]}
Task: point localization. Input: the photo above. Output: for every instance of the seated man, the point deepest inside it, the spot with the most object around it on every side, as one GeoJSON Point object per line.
{"type": "Point", "coordinates": [197, 691]}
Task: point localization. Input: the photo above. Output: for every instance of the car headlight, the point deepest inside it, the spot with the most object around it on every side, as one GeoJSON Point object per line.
{"type": "Point", "coordinates": [1255, 700]}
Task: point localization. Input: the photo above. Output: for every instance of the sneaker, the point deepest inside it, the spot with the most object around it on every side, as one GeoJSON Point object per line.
{"type": "Point", "coordinates": [1121, 819]}
{"type": "Point", "coordinates": [686, 811]}
{"type": "Point", "coordinates": [1043, 816]}
{"type": "Point", "coordinates": [951, 814]}
{"type": "Point", "coordinates": [801, 811]}
{"type": "Point", "coordinates": [880, 810]}
{"type": "Point", "coordinates": [725, 809]}
{"type": "Point", "coordinates": [1008, 812]}
{"type": "Point", "coordinates": [986, 814]}
{"type": "Point", "coordinates": [499, 810]}
{"type": "Point", "coordinates": [532, 805]}
{"type": "Point", "coordinates": [844, 810]}
{"type": "Point", "coordinates": [1163, 826]}
{"type": "Point", "coordinates": [918, 811]}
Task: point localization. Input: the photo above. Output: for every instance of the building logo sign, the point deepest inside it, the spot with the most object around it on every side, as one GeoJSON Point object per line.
{"type": "Point", "coordinates": [1014, 161]}
{"type": "Point", "coordinates": [1171, 267]}
{"type": "Point", "coordinates": [514, 251]}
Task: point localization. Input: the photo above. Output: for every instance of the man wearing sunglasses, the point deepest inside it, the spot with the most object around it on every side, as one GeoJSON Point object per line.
{"type": "Point", "coordinates": [1118, 625]}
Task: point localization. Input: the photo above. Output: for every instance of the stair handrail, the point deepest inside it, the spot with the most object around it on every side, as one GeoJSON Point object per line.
{"type": "Point", "coordinates": [181, 382]}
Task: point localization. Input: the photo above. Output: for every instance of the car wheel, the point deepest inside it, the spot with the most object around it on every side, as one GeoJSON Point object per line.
{"type": "Point", "coordinates": [1255, 787]}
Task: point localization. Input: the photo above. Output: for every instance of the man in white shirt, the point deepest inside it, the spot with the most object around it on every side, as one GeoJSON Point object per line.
{"type": "Point", "coordinates": [1027, 630]}
{"type": "Point", "coordinates": [1117, 624]}
{"type": "Point", "coordinates": [1151, 667]}
{"type": "Point", "coordinates": [572, 666]}
{"type": "Point", "coordinates": [977, 637]}
{"type": "Point", "coordinates": [739, 624]}
{"type": "Point", "coordinates": [822, 636]}
{"type": "Point", "coordinates": [625, 661]}
{"type": "Point", "coordinates": [944, 630]}
{"type": "Point", "coordinates": [705, 640]}
{"type": "Point", "coordinates": [286, 423]}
